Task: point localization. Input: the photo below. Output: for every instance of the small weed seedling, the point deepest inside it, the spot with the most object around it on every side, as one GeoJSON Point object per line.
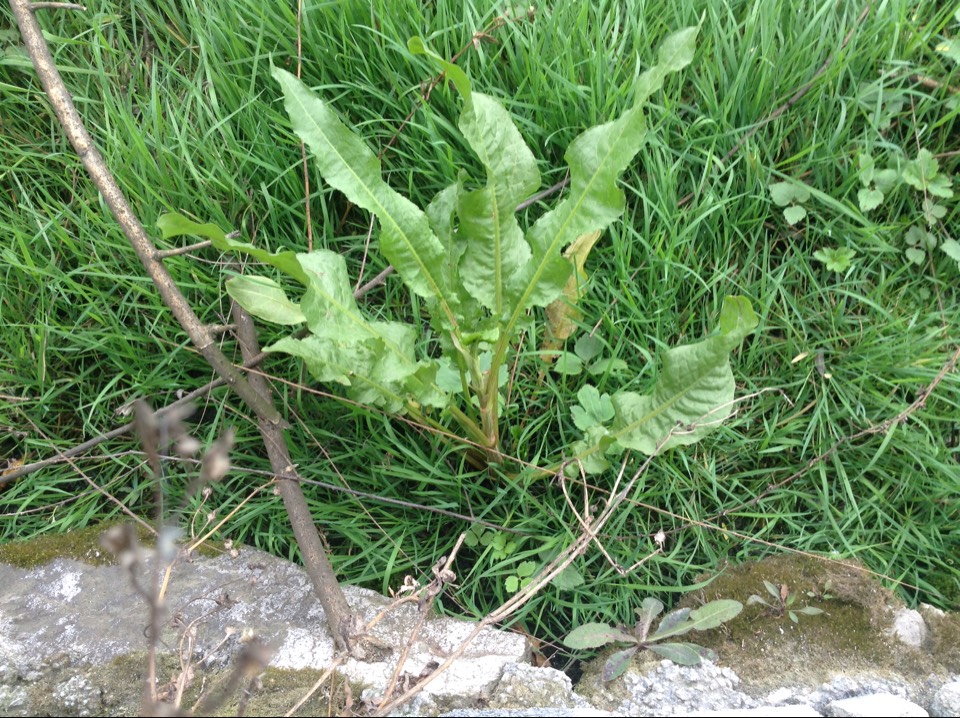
{"type": "Point", "coordinates": [837, 259]}
{"type": "Point", "coordinates": [790, 196]}
{"type": "Point", "coordinates": [674, 624]}
{"type": "Point", "coordinates": [923, 174]}
{"type": "Point", "coordinates": [782, 601]}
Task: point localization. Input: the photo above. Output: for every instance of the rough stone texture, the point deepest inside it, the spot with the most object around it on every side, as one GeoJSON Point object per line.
{"type": "Point", "coordinates": [765, 712]}
{"type": "Point", "coordinates": [946, 701]}
{"type": "Point", "coordinates": [72, 637]}
{"type": "Point", "coordinates": [75, 614]}
{"type": "Point", "coordinates": [530, 686]}
{"type": "Point", "coordinates": [527, 713]}
{"type": "Point", "coordinates": [879, 705]}
{"type": "Point", "coordinates": [909, 627]}
{"type": "Point", "coordinates": [77, 696]}
{"type": "Point", "coordinates": [664, 688]}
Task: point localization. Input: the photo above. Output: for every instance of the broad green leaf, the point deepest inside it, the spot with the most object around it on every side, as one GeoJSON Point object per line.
{"type": "Point", "coordinates": [837, 259]}
{"type": "Point", "coordinates": [594, 635]}
{"type": "Point", "coordinates": [940, 186]}
{"type": "Point", "coordinates": [810, 611]}
{"type": "Point", "coordinates": [567, 363]}
{"type": "Point", "coordinates": [348, 165]}
{"type": "Point", "coordinates": [375, 359]}
{"type": "Point", "coordinates": [951, 248]}
{"type": "Point", "coordinates": [526, 569]}
{"type": "Point", "coordinates": [590, 452]}
{"type": "Point", "coordinates": [496, 251]}
{"type": "Point", "coordinates": [869, 199]}
{"type": "Point", "coordinates": [264, 299]}
{"type": "Point", "coordinates": [950, 48]}
{"type": "Point", "coordinates": [328, 303]}
{"type": "Point", "coordinates": [786, 193]}
{"type": "Point", "coordinates": [710, 615]}
{"type": "Point", "coordinates": [588, 347]}
{"type": "Point", "coordinates": [932, 212]}
{"type": "Point", "coordinates": [174, 224]}
{"type": "Point", "coordinates": [794, 214]}
{"type": "Point", "coordinates": [917, 256]}
{"type": "Point", "coordinates": [693, 393]}
{"type": "Point", "coordinates": [596, 158]}
{"type": "Point", "coordinates": [918, 237]}
{"type": "Point", "coordinates": [885, 180]}
{"type": "Point", "coordinates": [683, 654]}
{"type": "Point", "coordinates": [918, 173]}
{"type": "Point", "coordinates": [608, 365]}
{"type": "Point", "coordinates": [617, 663]}
{"type": "Point", "coordinates": [649, 610]}
{"type": "Point", "coordinates": [568, 579]}
{"type": "Point", "coordinates": [441, 213]}
{"type": "Point", "coordinates": [595, 409]}
{"type": "Point", "coordinates": [672, 619]}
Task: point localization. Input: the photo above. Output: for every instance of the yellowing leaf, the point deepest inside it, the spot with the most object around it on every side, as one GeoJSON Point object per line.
{"type": "Point", "coordinates": [562, 313]}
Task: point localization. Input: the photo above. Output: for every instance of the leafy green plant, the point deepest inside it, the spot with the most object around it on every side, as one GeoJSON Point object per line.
{"type": "Point", "coordinates": [838, 259]}
{"type": "Point", "coordinates": [674, 624]}
{"type": "Point", "coordinates": [478, 274]}
{"type": "Point", "coordinates": [790, 195]}
{"type": "Point", "coordinates": [876, 182]}
{"type": "Point", "coordinates": [782, 601]}
{"type": "Point", "coordinates": [922, 174]}
{"type": "Point", "coordinates": [498, 546]}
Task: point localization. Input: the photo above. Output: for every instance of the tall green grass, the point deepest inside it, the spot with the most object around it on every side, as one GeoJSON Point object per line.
{"type": "Point", "coordinates": [179, 98]}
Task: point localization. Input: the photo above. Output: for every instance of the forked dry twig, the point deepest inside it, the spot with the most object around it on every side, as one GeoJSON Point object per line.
{"type": "Point", "coordinates": [256, 397]}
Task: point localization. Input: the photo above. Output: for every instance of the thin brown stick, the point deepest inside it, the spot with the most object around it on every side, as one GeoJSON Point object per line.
{"type": "Point", "coordinates": [34, 6]}
{"type": "Point", "coordinates": [932, 84]}
{"type": "Point", "coordinates": [164, 253]}
{"type": "Point", "coordinates": [257, 398]}
{"type": "Point", "coordinates": [315, 559]}
{"type": "Point", "coordinates": [197, 393]}
{"type": "Point", "coordinates": [83, 145]}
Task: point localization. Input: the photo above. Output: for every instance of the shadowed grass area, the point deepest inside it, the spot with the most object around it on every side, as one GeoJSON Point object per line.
{"type": "Point", "coordinates": [179, 98]}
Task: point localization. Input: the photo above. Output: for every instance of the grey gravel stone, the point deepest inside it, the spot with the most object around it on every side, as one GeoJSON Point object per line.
{"type": "Point", "coordinates": [78, 697]}
{"type": "Point", "coordinates": [879, 705]}
{"type": "Point", "coordinates": [946, 701]}
{"type": "Point", "coordinates": [672, 690]}
{"type": "Point", "coordinates": [799, 711]}
{"type": "Point", "coordinates": [910, 628]}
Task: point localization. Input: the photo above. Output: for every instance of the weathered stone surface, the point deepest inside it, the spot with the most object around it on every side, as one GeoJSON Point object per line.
{"type": "Point", "coordinates": [81, 615]}
{"type": "Point", "coordinates": [798, 711]}
{"type": "Point", "coordinates": [72, 641]}
{"type": "Point", "coordinates": [909, 627]}
{"type": "Point", "coordinates": [875, 705]}
{"type": "Point", "coordinates": [523, 685]}
{"type": "Point", "coordinates": [664, 688]}
{"type": "Point", "coordinates": [946, 701]}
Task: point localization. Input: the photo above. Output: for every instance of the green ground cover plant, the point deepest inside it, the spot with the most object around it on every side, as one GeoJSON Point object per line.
{"type": "Point", "coordinates": [480, 275]}
{"type": "Point", "coordinates": [673, 625]}
{"type": "Point", "coordinates": [181, 99]}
